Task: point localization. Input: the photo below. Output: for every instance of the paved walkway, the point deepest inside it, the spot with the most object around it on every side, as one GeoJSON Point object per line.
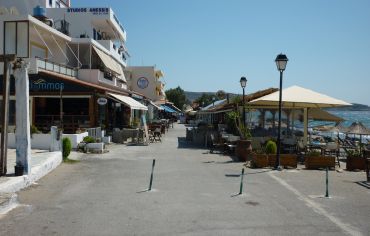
{"type": "Point", "coordinates": [42, 162]}
{"type": "Point", "coordinates": [194, 193]}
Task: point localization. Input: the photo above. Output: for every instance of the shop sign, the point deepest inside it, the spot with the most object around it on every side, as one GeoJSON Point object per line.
{"type": "Point", "coordinates": [43, 85]}
{"type": "Point", "coordinates": [102, 101]}
{"type": "Point", "coordinates": [142, 82]}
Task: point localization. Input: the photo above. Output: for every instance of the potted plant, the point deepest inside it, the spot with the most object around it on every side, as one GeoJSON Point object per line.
{"type": "Point", "coordinates": [286, 160]}
{"type": "Point", "coordinates": [355, 161]}
{"type": "Point", "coordinates": [314, 160]}
{"type": "Point", "coordinates": [244, 145]}
{"type": "Point", "coordinates": [18, 169]}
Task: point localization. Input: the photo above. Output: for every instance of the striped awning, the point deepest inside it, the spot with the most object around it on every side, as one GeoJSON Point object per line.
{"type": "Point", "coordinates": [109, 62]}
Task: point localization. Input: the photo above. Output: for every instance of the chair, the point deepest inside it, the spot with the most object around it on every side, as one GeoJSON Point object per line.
{"type": "Point", "coordinates": [290, 145]}
{"type": "Point", "coordinates": [332, 149]}
{"type": "Point", "coordinates": [215, 145]}
{"type": "Point", "coordinates": [157, 134]}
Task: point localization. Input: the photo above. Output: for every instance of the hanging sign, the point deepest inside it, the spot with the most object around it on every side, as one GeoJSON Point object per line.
{"type": "Point", "coordinates": [102, 101]}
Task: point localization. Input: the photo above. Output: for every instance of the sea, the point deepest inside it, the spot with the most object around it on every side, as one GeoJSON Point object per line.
{"type": "Point", "coordinates": [349, 117]}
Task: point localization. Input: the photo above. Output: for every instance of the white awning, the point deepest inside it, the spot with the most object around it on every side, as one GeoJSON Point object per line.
{"type": "Point", "coordinates": [109, 62]}
{"type": "Point", "coordinates": [132, 103]}
{"type": "Point", "coordinates": [156, 106]}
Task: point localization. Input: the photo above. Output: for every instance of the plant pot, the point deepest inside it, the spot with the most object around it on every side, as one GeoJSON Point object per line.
{"type": "Point", "coordinates": [243, 149]}
{"type": "Point", "coordinates": [259, 160]}
{"type": "Point", "coordinates": [286, 160]}
{"type": "Point", "coordinates": [356, 163]}
{"type": "Point", "coordinates": [18, 170]}
{"type": "Point", "coordinates": [315, 162]}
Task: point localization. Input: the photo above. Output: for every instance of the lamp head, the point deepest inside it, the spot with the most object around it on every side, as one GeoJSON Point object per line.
{"type": "Point", "coordinates": [243, 82]}
{"type": "Point", "coordinates": [281, 61]}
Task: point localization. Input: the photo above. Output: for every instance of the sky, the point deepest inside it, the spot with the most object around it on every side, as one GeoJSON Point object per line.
{"type": "Point", "coordinates": [207, 45]}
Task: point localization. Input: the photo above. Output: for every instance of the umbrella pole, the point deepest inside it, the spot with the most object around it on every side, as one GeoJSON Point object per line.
{"type": "Point", "coordinates": [361, 145]}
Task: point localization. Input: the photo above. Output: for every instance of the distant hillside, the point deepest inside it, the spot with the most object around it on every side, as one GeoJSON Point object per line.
{"type": "Point", "coordinates": [354, 107]}
{"type": "Point", "coordinates": [191, 96]}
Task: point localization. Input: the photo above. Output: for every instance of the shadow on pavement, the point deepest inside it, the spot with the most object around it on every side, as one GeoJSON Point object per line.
{"type": "Point", "coordinates": [183, 143]}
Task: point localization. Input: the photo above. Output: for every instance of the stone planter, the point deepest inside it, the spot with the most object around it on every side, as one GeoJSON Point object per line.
{"type": "Point", "coordinates": [95, 147]}
{"type": "Point", "coordinates": [243, 149]}
{"type": "Point", "coordinates": [316, 162]}
{"type": "Point", "coordinates": [259, 160]}
{"type": "Point", "coordinates": [286, 160]}
{"type": "Point", "coordinates": [356, 163]}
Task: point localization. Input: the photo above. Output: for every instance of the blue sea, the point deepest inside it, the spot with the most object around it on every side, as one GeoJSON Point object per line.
{"type": "Point", "coordinates": [353, 116]}
{"type": "Point", "coordinates": [349, 117]}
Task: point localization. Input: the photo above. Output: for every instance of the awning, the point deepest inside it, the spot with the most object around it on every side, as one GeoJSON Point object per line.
{"type": "Point", "coordinates": [132, 103]}
{"type": "Point", "coordinates": [156, 106]}
{"type": "Point", "coordinates": [167, 109]}
{"type": "Point", "coordinates": [109, 62]}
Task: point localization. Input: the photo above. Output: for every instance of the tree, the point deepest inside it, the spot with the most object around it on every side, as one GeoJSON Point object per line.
{"type": "Point", "coordinates": [204, 100]}
{"type": "Point", "coordinates": [176, 96]}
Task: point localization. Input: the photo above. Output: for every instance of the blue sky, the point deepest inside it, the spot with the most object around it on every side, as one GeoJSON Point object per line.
{"type": "Point", "coordinates": [207, 45]}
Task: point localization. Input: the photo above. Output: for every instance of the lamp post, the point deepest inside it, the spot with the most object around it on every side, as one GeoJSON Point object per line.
{"type": "Point", "coordinates": [243, 83]}
{"type": "Point", "coordinates": [281, 61]}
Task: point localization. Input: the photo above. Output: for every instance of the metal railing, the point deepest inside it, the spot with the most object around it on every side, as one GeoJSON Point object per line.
{"type": "Point", "coordinates": [56, 67]}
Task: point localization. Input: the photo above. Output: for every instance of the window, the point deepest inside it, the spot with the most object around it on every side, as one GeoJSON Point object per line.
{"type": "Point", "coordinates": [57, 4]}
{"type": "Point", "coordinates": [51, 3]}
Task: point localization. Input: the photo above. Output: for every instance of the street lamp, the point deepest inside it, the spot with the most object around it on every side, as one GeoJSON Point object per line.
{"type": "Point", "coordinates": [281, 61]}
{"type": "Point", "coordinates": [243, 83]}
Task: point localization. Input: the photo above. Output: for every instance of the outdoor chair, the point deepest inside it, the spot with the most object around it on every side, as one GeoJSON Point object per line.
{"type": "Point", "coordinates": [301, 151]}
{"type": "Point", "coordinates": [157, 135]}
{"type": "Point", "coordinates": [332, 149]}
{"type": "Point", "coordinates": [289, 145]}
{"type": "Point", "coordinates": [215, 145]}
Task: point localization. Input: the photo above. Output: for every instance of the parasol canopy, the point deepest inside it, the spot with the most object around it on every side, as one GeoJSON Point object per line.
{"type": "Point", "coordinates": [298, 97]}
{"type": "Point", "coordinates": [357, 128]}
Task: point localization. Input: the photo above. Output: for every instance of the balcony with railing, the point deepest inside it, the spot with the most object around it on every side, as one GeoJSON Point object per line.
{"type": "Point", "coordinates": [96, 76]}
{"type": "Point", "coordinates": [38, 63]}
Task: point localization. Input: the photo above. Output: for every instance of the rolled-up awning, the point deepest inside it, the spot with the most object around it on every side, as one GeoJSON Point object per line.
{"type": "Point", "coordinates": [132, 103]}
{"type": "Point", "coordinates": [109, 62]}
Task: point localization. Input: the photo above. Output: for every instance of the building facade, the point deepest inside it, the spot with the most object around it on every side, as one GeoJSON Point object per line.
{"type": "Point", "coordinates": [77, 57]}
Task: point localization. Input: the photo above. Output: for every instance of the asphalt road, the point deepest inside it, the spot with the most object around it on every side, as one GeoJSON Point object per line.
{"type": "Point", "coordinates": [194, 193]}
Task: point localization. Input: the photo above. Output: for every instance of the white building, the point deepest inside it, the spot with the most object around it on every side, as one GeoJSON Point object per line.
{"type": "Point", "coordinates": [79, 52]}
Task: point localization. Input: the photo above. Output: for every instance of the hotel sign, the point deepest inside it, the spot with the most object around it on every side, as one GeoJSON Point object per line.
{"type": "Point", "coordinates": [93, 10]}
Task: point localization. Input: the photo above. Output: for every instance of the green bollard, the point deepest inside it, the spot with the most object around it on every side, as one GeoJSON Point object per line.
{"type": "Point", "coordinates": [151, 176]}
{"type": "Point", "coordinates": [241, 182]}
{"type": "Point", "coordinates": [327, 182]}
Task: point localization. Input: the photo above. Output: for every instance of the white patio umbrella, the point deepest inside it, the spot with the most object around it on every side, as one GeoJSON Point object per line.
{"type": "Point", "coordinates": [296, 97]}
